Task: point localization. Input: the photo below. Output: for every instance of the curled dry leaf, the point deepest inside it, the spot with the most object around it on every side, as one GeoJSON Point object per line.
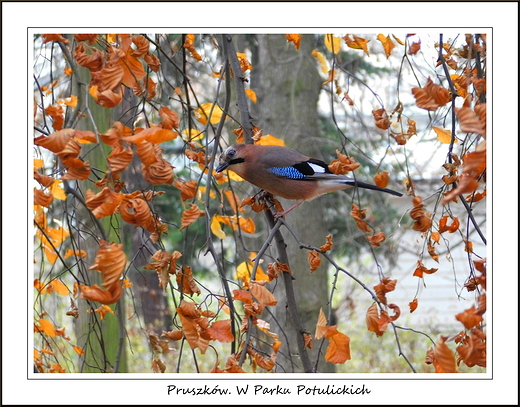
{"type": "Point", "coordinates": [338, 350]}
{"type": "Point", "coordinates": [470, 122]}
{"type": "Point", "coordinates": [472, 351]}
{"type": "Point", "coordinates": [355, 42]}
{"type": "Point", "coordinates": [104, 203]}
{"type": "Point", "coordinates": [443, 225]}
{"type": "Point", "coordinates": [327, 246]}
{"type": "Point", "coordinates": [421, 270]}
{"type": "Point", "coordinates": [295, 39]}
{"type": "Point", "coordinates": [422, 221]}
{"type": "Point", "coordinates": [443, 358]}
{"type": "Point", "coordinates": [474, 167]}
{"type": "Point", "coordinates": [375, 240]}
{"type": "Point", "coordinates": [381, 118]}
{"type": "Point", "coordinates": [388, 44]}
{"type": "Point", "coordinates": [314, 260]}
{"type": "Point", "coordinates": [110, 261]}
{"type": "Point", "coordinates": [343, 164]}
{"type": "Point", "coordinates": [374, 321]}
{"type": "Point", "coordinates": [385, 286]}
{"type": "Point", "coordinates": [191, 215]}
{"type": "Point", "coordinates": [262, 294]}
{"type": "Point", "coordinates": [42, 198]}
{"type": "Point", "coordinates": [431, 97]}
{"type": "Point", "coordinates": [185, 281]}
{"type": "Point", "coordinates": [413, 305]}
{"type": "Point", "coordinates": [188, 188]}
{"type": "Point", "coordinates": [160, 172]}
{"type": "Point", "coordinates": [471, 317]}
{"type": "Point", "coordinates": [359, 215]}
{"type": "Point", "coordinates": [381, 179]}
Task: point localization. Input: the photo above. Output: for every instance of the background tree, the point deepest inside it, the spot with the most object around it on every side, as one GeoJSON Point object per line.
{"type": "Point", "coordinates": [291, 113]}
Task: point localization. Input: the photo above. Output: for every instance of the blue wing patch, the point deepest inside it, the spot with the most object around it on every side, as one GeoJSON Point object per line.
{"type": "Point", "coordinates": [287, 172]}
{"type": "Point", "coordinates": [301, 170]}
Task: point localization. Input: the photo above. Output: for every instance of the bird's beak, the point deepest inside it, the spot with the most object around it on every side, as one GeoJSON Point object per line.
{"type": "Point", "coordinates": [222, 165]}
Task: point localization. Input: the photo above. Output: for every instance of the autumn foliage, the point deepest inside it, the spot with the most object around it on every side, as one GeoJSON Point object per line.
{"type": "Point", "coordinates": [83, 201]}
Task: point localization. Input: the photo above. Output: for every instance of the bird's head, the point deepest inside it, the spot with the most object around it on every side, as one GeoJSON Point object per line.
{"type": "Point", "coordinates": [230, 156]}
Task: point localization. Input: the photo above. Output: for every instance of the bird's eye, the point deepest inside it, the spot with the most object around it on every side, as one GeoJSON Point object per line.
{"type": "Point", "coordinates": [231, 153]}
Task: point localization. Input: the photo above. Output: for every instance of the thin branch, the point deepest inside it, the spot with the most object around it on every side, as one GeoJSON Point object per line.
{"type": "Point", "coordinates": [289, 291]}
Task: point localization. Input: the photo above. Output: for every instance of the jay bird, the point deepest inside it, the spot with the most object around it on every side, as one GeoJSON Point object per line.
{"type": "Point", "coordinates": [286, 173]}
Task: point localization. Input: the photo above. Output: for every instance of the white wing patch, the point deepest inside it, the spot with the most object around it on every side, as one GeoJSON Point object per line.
{"type": "Point", "coordinates": [316, 168]}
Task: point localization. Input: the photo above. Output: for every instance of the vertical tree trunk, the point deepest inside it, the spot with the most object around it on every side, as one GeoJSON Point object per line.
{"type": "Point", "coordinates": [287, 85]}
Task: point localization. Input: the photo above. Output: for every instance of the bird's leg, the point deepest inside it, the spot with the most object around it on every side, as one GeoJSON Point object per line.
{"type": "Point", "coordinates": [283, 213]}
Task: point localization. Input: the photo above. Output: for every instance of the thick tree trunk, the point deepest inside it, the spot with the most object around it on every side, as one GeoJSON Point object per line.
{"type": "Point", "coordinates": [287, 85]}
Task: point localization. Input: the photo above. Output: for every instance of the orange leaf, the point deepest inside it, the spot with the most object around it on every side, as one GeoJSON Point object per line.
{"type": "Point", "coordinates": [443, 227]}
{"type": "Point", "coordinates": [381, 118]}
{"type": "Point", "coordinates": [79, 350]}
{"type": "Point", "coordinates": [381, 179]}
{"type": "Point", "coordinates": [233, 200]}
{"type": "Point", "coordinates": [422, 221]}
{"type": "Point", "coordinates": [372, 319]}
{"type": "Point", "coordinates": [414, 48]}
{"type": "Point", "coordinates": [175, 335]}
{"type": "Point", "coordinates": [262, 294]}
{"type": "Point", "coordinates": [332, 43]}
{"type": "Point", "coordinates": [58, 286]}
{"type": "Point", "coordinates": [327, 246]}
{"type": "Point", "coordinates": [444, 360]}
{"type": "Point", "coordinates": [431, 97]}
{"type": "Point", "coordinates": [470, 122]}
{"type": "Point", "coordinates": [104, 203]}
{"type": "Point", "coordinates": [421, 269]}
{"type": "Point", "coordinates": [189, 216]}
{"type": "Point", "coordinates": [376, 239]}
{"type": "Point", "coordinates": [159, 172]}
{"type": "Point", "coordinates": [321, 325]}
{"type": "Point", "coordinates": [189, 45]}
{"type": "Point", "coordinates": [111, 262]}
{"type": "Point", "coordinates": [295, 39]}
{"type": "Point", "coordinates": [443, 135]}
{"type": "Point", "coordinates": [321, 60]}
{"type": "Point", "coordinates": [221, 331]}
{"type": "Point", "coordinates": [245, 65]}
{"type": "Point", "coordinates": [473, 351]}
{"type": "Point", "coordinates": [137, 212]}
{"type": "Point", "coordinates": [355, 42]}
{"type": "Point", "coordinates": [388, 44]}
{"type": "Point", "coordinates": [343, 164]}
{"type": "Point", "coordinates": [41, 198]}
{"type": "Point", "coordinates": [243, 295]}
{"type": "Point", "coordinates": [186, 282]}
{"type": "Point", "coordinates": [470, 318]}
{"type": "Point", "coordinates": [359, 215]}
{"type": "Point", "coordinates": [338, 350]}
{"type": "Point", "coordinates": [314, 260]}
{"type": "Point", "coordinates": [203, 113]}
{"type": "Point", "coordinates": [188, 189]}
{"type": "Point", "coordinates": [385, 286]}
{"type": "Point", "coordinates": [170, 119]}
{"type": "Point", "coordinates": [413, 305]}
{"type": "Point", "coordinates": [54, 37]}
{"type": "Point", "coordinates": [58, 116]}
{"type": "Point", "coordinates": [247, 225]}
{"type": "Point", "coordinates": [47, 327]}
{"type": "Point", "coordinates": [250, 93]}
{"type": "Point", "coordinates": [93, 60]}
